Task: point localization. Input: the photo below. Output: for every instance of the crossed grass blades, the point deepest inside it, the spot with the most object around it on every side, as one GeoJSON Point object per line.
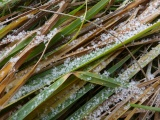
{"type": "Point", "coordinates": [79, 59]}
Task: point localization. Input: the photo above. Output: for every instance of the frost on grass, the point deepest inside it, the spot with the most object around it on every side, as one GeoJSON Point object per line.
{"type": "Point", "coordinates": [12, 38]}
{"type": "Point", "coordinates": [6, 51]}
{"type": "Point", "coordinates": [127, 31]}
{"type": "Point", "coordinates": [22, 36]}
{"type": "Point", "coordinates": [54, 111]}
{"type": "Point", "coordinates": [106, 74]}
{"type": "Point", "coordinates": [14, 60]}
{"type": "Point", "coordinates": [52, 74]}
{"type": "Point", "coordinates": [121, 94]}
{"type": "Point", "coordinates": [30, 16]}
{"type": "Point", "coordinates": [91, 104]}
{"type": "Point", "coordinates": [39, 38]}
{"type": "Point", "coordinates": [152, 8]}
{"type": "Point", "coordinates": [9, 39]}
{"type": "Point", "coordinates": [1, 26]}
{"type": "Point", "coordinates": [143, 61]}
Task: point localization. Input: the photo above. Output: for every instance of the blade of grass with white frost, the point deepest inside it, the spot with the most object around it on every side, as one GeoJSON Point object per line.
{"type": "Point", "coordinates": [143, 61]}
{"type": "Point", "coordinates": [106, 50]}
{"type": "Point", "coordinates": [123, 78]}
{"type": "Point", "coordinates": [100, 63]}
{"type": "Point", "coordinates": [97, 79]}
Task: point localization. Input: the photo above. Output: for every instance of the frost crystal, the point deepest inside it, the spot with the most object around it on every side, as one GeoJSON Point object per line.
{"type": "Point", "coordinates": [12, 38]}
{"type": "Point", "coordinates": [1, 26]}
{"type": "Point", "coordinates": [14, 60]}
{"type": "Point", "coordinates": [30, 16]}
{"type": "Point", "coordinates": [106, 73]}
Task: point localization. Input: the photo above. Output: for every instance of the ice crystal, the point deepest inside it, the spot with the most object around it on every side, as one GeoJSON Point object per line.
{"type": "Point", "coordinates": [30, 16]}
{"type": "Point", "coordinates": [12, 38]}
{"type": "Point", "coordinates": [106, 73]}
{"type": "Point", "coordinates": [6, 51]}
{"type": "Point", "coordinates": [61, 3]}
{"type": "Point", "coordinates": [14, 60]}
{"type": "Point", "coordinates": [1, 26]}
{"type": "Point", "coordinates": [43, 38]}
{"type": "Point", "coordinates": [52, 33]}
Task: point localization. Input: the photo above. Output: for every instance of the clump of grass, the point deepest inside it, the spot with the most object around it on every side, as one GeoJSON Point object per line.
{"type": "Point", "coordinates": [86, 59]}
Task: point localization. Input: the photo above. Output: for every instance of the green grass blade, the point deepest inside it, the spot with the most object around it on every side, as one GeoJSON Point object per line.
{"type": "Point", "coordinates": [97, 79]}
{"type": "Point", "coordinates": [64, 18]}
{"type": "Point", "coordinates": [146, 107]}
